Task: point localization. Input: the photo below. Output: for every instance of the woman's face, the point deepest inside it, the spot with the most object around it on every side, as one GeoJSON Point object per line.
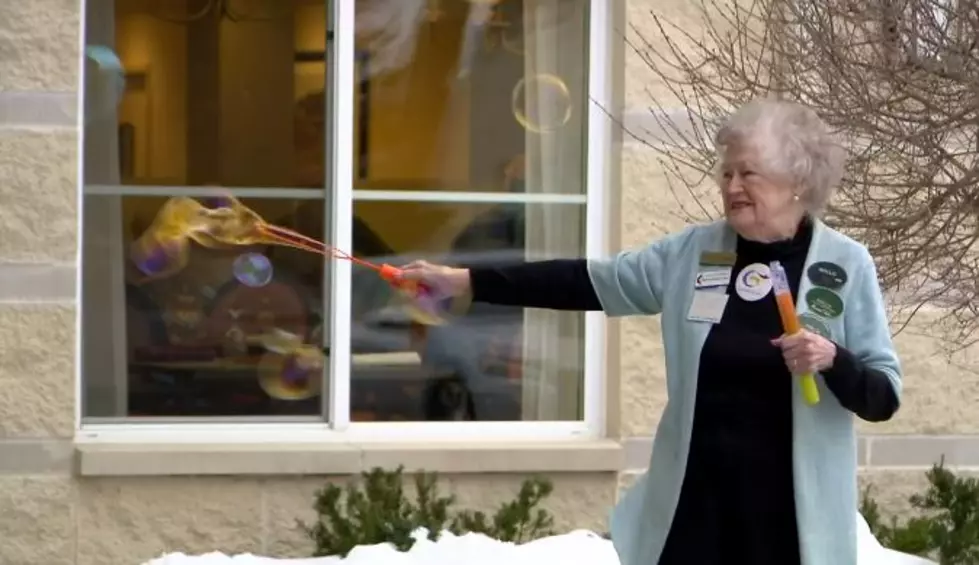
{"type": "Point", "coordinates": [759, 206]}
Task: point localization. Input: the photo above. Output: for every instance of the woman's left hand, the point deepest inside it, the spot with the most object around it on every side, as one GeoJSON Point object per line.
{"type": "Point", "coordinates": [806, 352]}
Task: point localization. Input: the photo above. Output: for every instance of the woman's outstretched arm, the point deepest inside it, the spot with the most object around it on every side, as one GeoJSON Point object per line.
{"type": "Point", "coordinates": [560, 284]}
{"type": "Point", "coordinates": [629, 284]}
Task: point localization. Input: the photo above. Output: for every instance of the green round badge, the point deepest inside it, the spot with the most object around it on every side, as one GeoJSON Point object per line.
{"type": "Point", "coordinates": [826, 274]}
{"type": "Point", "coordinates": [824, 303]}
{"type": "Point", "coordinates": [814, 325]}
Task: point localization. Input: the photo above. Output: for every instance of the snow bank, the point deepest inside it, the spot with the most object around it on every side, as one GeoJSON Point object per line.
{"type": "Point", "coordinates": [575, 548]}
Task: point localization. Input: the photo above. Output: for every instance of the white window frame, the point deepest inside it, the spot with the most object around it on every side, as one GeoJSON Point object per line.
{"type": "Point", "coordinates": [338, 428]}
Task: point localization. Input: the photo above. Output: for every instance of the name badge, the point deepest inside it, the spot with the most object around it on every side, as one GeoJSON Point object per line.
{"type": "Point", "coordinates": [718, 258]}
{"type": "Point", "coordinates": [712, 278]}
{"type": "Point", "coordinates": [707, 306]}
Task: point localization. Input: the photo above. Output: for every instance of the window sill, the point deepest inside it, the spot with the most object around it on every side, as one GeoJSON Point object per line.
{"type": "Point", "coordinates": [140, 459]}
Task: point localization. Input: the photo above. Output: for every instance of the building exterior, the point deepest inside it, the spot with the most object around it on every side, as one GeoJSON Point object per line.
{"type": "Point", "coordinates": [141, 412]}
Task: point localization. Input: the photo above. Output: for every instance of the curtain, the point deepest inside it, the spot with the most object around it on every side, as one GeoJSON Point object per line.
{"type": "Point", "coordinates": [555, 44]}
{"type": "Point", "coordinates": [103, 339]}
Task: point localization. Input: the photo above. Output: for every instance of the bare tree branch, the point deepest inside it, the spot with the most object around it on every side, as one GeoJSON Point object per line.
{"type": "Point", "coordinates": [899, 81]}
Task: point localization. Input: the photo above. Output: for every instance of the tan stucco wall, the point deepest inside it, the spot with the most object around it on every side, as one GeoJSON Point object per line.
{"type": "Point", "coordinates": [50, 515]}
{"type": "Point", "coordinates": [56, 520]}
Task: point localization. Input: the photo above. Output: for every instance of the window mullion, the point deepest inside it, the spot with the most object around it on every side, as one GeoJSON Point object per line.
{"type": "Point", "coordinates": [598, 177]}
{"type": "Point", "coordinates": [339, 204]}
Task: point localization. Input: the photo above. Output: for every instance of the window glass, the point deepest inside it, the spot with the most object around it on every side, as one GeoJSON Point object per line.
{"type": "Point", "coordinates": [486, 362]}
{"type": "Point", "coordinates": [469, 147]}
{"type": "Point", "coordinates": [184, 332]}
{"type": "Point", "coordinates": [479, 97]}
{"type": "Point", "coordinates": [209, 94]}
{"type": "Point", "coordinates": [193, 98]}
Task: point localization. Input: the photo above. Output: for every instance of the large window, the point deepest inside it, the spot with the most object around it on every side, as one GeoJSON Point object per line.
{"type": "Point", "coordinates": [454, 130]}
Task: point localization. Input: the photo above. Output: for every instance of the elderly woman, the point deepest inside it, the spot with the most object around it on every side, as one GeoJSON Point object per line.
{"type": "Point", "coordinates": [744, 469]}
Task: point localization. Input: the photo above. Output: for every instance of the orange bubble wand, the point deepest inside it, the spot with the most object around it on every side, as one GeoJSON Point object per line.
{"type": "Point", "coordinates": [790, 324]}
{"type": "Point", "coordinates": [233, 224]}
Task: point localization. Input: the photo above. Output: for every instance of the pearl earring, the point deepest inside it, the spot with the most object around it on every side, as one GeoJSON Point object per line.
{"type": "Point", "coordinates": [795, 197]}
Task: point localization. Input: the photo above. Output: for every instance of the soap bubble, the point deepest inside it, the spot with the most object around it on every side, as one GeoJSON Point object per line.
{"type": "Point", "coordinates": [157, 256]}
{"type": "Point", "coordinates": [253, 269]}
{"type": "Point", "coordinates": [542, 103]}
{"type": "Point", "coordinates": [425, 306]}
{"type": "Point", "coordinates": [297, 375]}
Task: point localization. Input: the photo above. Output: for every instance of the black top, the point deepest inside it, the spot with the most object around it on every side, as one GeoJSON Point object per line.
{"type": "Point", "coordinates": [737, 498]}
{"type": "Point", "coordinates": [738, 490]}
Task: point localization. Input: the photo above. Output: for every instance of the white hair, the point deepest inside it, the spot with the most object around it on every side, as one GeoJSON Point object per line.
{"type": "Point", "coordinates": [793, 142]}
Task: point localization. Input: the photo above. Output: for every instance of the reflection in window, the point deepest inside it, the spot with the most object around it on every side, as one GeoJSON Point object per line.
{"type": "Point", "coordinates": [195, 340]}
{"type": "Point", "coordinates": [471, 97]}
{"type": "Point", "coordinates": [211, 96]}
{"type": "Point", "coordinates": [211, 88]}
{"type": "Point", "coordinates": [479, 97]}
{"type": "Point", "coordinates": [493, 362]}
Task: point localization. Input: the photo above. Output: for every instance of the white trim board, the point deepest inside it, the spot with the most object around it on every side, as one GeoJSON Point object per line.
{"type": "Point", "coordinates": [435, 196]}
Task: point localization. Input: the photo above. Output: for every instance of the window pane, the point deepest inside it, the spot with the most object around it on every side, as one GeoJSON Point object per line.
{"type": "Point", "coordinates": [472, 96]}
{"type": "Point", "coordinates": [210, 93]}
{"type": "Point", "coordinates": [492, 362]}
{"type": "Point", "coordinates": [194, 341]}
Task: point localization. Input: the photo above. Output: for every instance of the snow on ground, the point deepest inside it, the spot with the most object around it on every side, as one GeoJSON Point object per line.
{"type": "Point", "coordinates": [575, 548]}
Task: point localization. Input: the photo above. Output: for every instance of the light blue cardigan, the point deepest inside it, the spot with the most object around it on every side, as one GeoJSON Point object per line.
{"type": "Point", "coordinates": [659, 278]}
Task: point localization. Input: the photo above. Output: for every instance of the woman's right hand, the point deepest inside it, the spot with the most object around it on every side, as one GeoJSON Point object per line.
{"type": "Point", "coordinates": [444, 281]}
